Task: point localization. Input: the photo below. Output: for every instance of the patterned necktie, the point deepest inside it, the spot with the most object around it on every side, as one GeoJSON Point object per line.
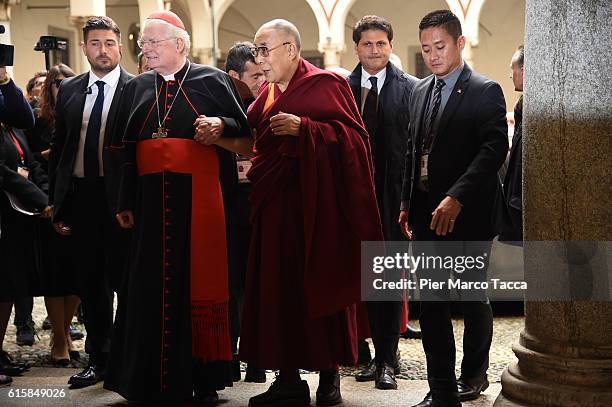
{"type": "Point", "coordinates": [433, 113]}
{"type": "Point", "coordinates": [370, 108]}
{"type": "Point", "coordinates": [91, 165]}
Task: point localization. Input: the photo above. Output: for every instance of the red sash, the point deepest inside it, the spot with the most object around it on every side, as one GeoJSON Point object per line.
{"type": "Point", "coordinates": [208, 261]}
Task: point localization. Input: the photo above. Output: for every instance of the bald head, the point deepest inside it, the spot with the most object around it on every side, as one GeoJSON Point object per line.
{"type": "Point", "coordinates": [285, 29]}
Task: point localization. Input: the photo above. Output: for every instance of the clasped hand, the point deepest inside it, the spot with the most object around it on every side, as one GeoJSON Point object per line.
{"type": "Point", "coordinates": [208, 129]}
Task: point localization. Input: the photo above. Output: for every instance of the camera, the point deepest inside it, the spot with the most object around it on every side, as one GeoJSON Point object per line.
{"type": "Point", "coordinates": [48, 43]}
{"type": "Point", "coordinates": [6, 51]}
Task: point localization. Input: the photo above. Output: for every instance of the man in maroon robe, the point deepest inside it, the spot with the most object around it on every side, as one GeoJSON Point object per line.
{"type": "Point", "coordinates": [313, 203]}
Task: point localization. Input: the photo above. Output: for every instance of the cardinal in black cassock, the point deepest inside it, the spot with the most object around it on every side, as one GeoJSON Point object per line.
{"type": "Point", "coordinates": [171, 332]}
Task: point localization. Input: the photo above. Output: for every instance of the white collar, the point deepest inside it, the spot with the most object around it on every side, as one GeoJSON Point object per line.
{"type": "Point", "coordinates": [380, 75]}
{"type": "Point", "coordinates": [110, 78]}
{"type": "Point", "coordinates": [170, 77]}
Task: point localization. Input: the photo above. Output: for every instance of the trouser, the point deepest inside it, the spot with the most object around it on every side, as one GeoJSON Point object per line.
{"type": "Point", "coordinates": [101, 248]}
{"type": "Point", "coordinates": [23, 311]}
{"type": "Point", "coordinates": [435, 318]}
{"type": "Point", "coordinates": [384, 318]}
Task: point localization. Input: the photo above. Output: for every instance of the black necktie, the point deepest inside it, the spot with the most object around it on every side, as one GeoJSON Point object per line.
{"type": "Point", "coordinates": [433, 113]}
{"type": "Point", "coordinates": [91, 165]}
{"type": "Point", "coordinates": [370, 115]}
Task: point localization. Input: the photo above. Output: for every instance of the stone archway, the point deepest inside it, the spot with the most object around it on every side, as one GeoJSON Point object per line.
{"type": "Point", "coordinates": [243, 17]}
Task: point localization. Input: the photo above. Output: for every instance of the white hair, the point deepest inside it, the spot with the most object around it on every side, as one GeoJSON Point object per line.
{"type": "Point", "coordinates": [173, 30]}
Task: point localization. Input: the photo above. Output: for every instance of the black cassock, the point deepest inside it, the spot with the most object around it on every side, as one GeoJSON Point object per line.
{"type": "Point", "coordinates": [171, 332]}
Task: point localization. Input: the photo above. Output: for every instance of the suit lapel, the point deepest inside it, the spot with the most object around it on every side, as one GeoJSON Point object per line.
{"type": "Point", "coordinates": [421, 104]}
{"type": "Point", "coordinates": [112, 113]}
{"type": "Point", "coordinates": [454, 101]}
{"type": "Point", "coordinates": [354, 81]}
{"type": "Point", "coordinates": [75, 104]}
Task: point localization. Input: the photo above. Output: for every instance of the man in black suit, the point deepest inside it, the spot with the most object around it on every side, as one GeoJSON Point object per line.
{"type": "Point", "coordinates": [248, 77]}
{"type": "Point", "coordinates": [82, 188]}
{"type": "Point", "coordinates": [512, 230]}
{"type": "Point", "coordinates": [458, 142]}
{"type": "Point", "coordinates": [382, 92]}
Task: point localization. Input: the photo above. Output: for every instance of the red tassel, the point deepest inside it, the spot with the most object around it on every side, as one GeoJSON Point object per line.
{"type": "Point", "coordinates": [210, 340]}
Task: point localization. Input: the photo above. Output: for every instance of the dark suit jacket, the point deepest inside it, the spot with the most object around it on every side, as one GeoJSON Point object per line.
{"type": "Point", "coordinates": [31, 192]}
{"type": "Point", "coordinates": [512, 228]}
{"type": "Point", "coordinates": [392, 132]}
{"type": "Point", "coordinates": [469, 149]}
{"type": "Point", "coordinates": [66, 136]}
{"type": "Point", "coordinates": [14, 108]}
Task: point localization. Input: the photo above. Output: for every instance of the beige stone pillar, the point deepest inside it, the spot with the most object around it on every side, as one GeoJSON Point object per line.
{"type": "Point", "coordinates": [202, 56]}
{"type": "Point", "coordinates": [565, 350]}
{"type": "Point", "coordinates": [468, 54]}
{"type": "Point", "coordinates": [332, 54]}
{"type": "Point", "coordinates": [79, 22]}
{"type": "Point", "coordinates": [80, 11]}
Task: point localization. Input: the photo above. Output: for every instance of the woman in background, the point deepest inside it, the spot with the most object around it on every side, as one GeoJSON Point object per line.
{"type": "Point", "coordinates": [59, 281]}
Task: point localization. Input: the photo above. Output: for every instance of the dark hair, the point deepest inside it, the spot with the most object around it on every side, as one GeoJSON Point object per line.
{"type": "Point", "coordinates": [237, 57]}
{"type": "Point", "coordinates": [32, 81]}
{"type": "Point", "coordinates": [442, 18]}
{"type": "Point", "coordinates": [372, 23]}
{"type": "Point", "coordinates": [100, 23]}
{"type": "Point", "coordinates": [47, 102]}
{"type": "Point", "coordinates": [521, 55]}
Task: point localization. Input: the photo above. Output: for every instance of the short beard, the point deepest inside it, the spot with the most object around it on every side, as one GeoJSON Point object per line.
{"type": "Point", "coordinates": [105, 69]}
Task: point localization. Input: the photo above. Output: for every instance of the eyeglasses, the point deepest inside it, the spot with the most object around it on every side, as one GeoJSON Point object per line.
{"type": "Point", "coordinates": [152, 43]}
{"type": "Point", "coordinates": [57, 82]}
{"type": "Point", "coordinates": [265, 51]}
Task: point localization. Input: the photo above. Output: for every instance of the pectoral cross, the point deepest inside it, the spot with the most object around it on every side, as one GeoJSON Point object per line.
{"type": "Point", "coordinates": [160, 133]}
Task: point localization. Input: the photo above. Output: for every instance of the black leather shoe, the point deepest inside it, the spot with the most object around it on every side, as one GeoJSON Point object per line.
{"type": "Point", "coordinates": [385, 378]}
{"type": "Point", "coordinates": [207, 399]}
{"type": "Point", "coordinates": [431, 401]}
{"type": "Point", "coordinates": [9, 367]}
{"type": "Point", "coordinates": [5, 380]}
{"type": "Point", "coordinates": [255, 375]}
{"type": "Point", "coordinates": [470, 390]}
{"type": "Point", "coordinates": [88, 377]}
{"type": "Point", "coordinates": [25, 334]}
{"type": "Point", "coordinates": [367, 374]}
{"type": "Point", "coordinates": [328, 393]}
{"type": "Point", "coordinates": [363, 352]}
{"type": "Point", "coordinates": [75, 333]}
{"type": "Point", "coordinates": [282, 394]}
{"type": "Point", "coordinates": [412, 333]}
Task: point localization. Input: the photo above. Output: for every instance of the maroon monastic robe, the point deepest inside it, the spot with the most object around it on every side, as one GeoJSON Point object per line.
{"type": "Point", "coordinates": [313, 203]}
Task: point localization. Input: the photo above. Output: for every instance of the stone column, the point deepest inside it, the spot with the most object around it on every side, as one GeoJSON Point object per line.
{"type": "Point", "coordinates": [565, 350]}
{"type": "Point", "coordinates": [202, 55]}
{"type": "Point", "coordinates": [82, 63]}
{"type": "Point", "coordinates": [80, 11]}
{"type": "Point", "coordinates": [331, 54]}
{"type": "Point", "coordinates": [468, 54]}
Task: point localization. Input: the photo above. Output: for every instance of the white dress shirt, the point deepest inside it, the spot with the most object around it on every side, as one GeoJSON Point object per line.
{"type": "Point", "coordinates": [380, 75]}
{"type": "Point", "coordinates": [110, 80]}
{"type": "Point", "coordinates": [366, 85]}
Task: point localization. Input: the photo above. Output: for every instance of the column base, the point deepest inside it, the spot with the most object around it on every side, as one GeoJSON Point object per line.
{"type": "Point", "coordinates": [541, 379]}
